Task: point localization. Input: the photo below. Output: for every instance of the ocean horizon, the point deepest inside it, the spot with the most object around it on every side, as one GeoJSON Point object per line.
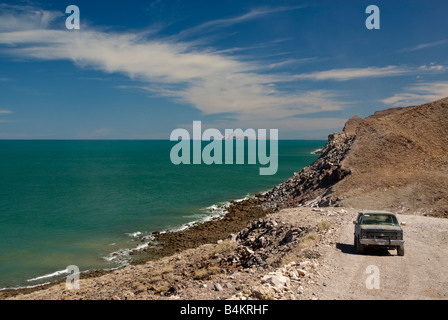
{"type": "Point", "coordinates": [89, 203]}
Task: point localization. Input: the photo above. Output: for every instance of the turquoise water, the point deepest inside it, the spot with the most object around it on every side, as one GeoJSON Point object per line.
{"type": "Point", "coordinates": [76, 202]}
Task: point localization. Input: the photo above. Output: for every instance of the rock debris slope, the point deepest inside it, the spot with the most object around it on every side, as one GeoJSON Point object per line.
{"type": "Point", "coordinates": [398, 155]}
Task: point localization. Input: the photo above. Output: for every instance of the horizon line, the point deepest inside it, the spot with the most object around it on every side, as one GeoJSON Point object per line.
{"type": "Point", "coordinates": [52, 139]}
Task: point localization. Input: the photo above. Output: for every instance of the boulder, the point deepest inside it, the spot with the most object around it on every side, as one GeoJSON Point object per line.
{"type": "Point", "coordinates": [262, 292]}
{"type": "Point", "coordinates": [277, 281]}
{"type": "Point", "coordinates": [218, 287]}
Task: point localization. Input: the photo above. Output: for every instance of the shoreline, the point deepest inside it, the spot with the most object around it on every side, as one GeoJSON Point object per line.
{"type": "Point", "coordinates": [120, 255]}
{"type": "Point", "coordinates": [236, 215]}
{"type": "Point", "coordinates": [231, 268]}
{"type": "Point", "coordinates": [228, 217]}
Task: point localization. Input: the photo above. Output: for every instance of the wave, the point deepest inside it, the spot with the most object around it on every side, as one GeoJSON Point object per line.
{"type": "Point", "coordinates": [122, 257]}
{"type": "Point", "coordinates": [212, 212]}
{"type": "Point", "coordinates": [50, 275]}
{"type": "Point", "coordinates": [25, 287]}
{"type": "Point", "coordinates": [134, 234]}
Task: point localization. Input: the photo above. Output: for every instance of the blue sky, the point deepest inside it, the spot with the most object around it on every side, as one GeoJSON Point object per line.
{"type": "Point", "coordinates": [139, 69]}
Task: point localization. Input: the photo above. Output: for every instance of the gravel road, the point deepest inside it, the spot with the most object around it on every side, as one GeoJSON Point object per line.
{"type": "Point", "coordinates": [420, 274]}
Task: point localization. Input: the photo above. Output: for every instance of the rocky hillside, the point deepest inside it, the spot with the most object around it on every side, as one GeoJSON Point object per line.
{"type": "Point", "coordinates": [396, 159]}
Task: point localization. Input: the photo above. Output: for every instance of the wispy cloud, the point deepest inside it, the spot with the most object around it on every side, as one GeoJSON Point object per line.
{"type": "Point", "coordinates": [4, 112]}
{"type": "Point", "coordinates": [346, 74]}
{"type": "Point", "coordinates": [418, 94]}
{"type": "Point", "coordinates": [211, 82]}
{"type": "Point", "coordinates": [425, 46]}
{"type": "Point", "coordinates": [18, 17]}
{"type": "Point", "coordinates": [433, 67]}
{"type": "Point", "coordinates": [213, 25]}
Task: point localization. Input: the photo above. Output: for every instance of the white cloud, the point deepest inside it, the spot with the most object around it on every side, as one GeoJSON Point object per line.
{"type": "Point", "coordinates": [213, 83]}
{"type": "Point", "coordinates": [355, 73]}
{"type": "Point", "coordinates": [291, 124]}
{"type": "Point", "coordinates": [418, 94]}
{"type": "Point", "coordinates": [14, 17]}
{"type": "Point", "coordinates": [253, 14]}
{"type": "Point", "coordinates": [345, 74]}
{"type": "Point", "coordinates": [425, 45]}
{"type": "Point", "coordinates": [432, 67]}
{"type": "Point", "coordinates": [4, 112]}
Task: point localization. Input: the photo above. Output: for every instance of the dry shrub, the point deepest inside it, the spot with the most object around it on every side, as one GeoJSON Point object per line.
{"type": "Point", "coordinates": [302, 251]}
{"type": "Point", "coordinates": [224, 248]}
{"type": "Point", "coordinates": [323, 225]}
{"type": "Point", "coordinates": [206, 273]}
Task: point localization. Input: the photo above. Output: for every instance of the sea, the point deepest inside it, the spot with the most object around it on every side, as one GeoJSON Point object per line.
{"type": "Point", "coordinates": [88, 203]}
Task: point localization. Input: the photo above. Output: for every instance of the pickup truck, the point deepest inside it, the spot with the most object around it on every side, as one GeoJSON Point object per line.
{"type": "Point", "coordinates": [378, 229]}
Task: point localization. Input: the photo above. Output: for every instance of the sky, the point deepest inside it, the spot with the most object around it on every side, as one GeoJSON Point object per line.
{"type": "Point", "coordinates": [140, 69]}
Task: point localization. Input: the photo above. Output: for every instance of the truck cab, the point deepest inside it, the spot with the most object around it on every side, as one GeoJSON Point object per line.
{"type": "Point", "coordinates": [378, 229]}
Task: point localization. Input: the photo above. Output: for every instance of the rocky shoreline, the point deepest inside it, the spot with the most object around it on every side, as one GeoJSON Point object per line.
{"type": "Point", "coordinates": [273, 257]}
{"type": "Point", "coordinates": [238, 215]}
{"type": "Point", "coordinates": [241, 218]}
{"type": "Point", "coordinates": [308, 187]}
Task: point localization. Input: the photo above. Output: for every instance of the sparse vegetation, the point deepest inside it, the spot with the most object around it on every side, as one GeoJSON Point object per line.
{"type": "Point", "coordinates": [302, 251]}
{"type": "Point", "coordinates": [311, 238]}
{"type": "Point", "coordinates": [207, 272]}
{"type": "Point", "coordinates": [323, 225]}
{"type": "Point", "coordinates": [224, 247]}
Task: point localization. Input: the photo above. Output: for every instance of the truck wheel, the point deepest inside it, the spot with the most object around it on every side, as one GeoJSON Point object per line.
{"type": "Point", "coordinates": [400, 251]}
{"type": "Point", "coordinates": [359, 247]}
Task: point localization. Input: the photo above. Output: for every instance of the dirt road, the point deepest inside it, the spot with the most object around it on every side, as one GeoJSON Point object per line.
{"type": "Point", "coordinates": [420, 274]}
